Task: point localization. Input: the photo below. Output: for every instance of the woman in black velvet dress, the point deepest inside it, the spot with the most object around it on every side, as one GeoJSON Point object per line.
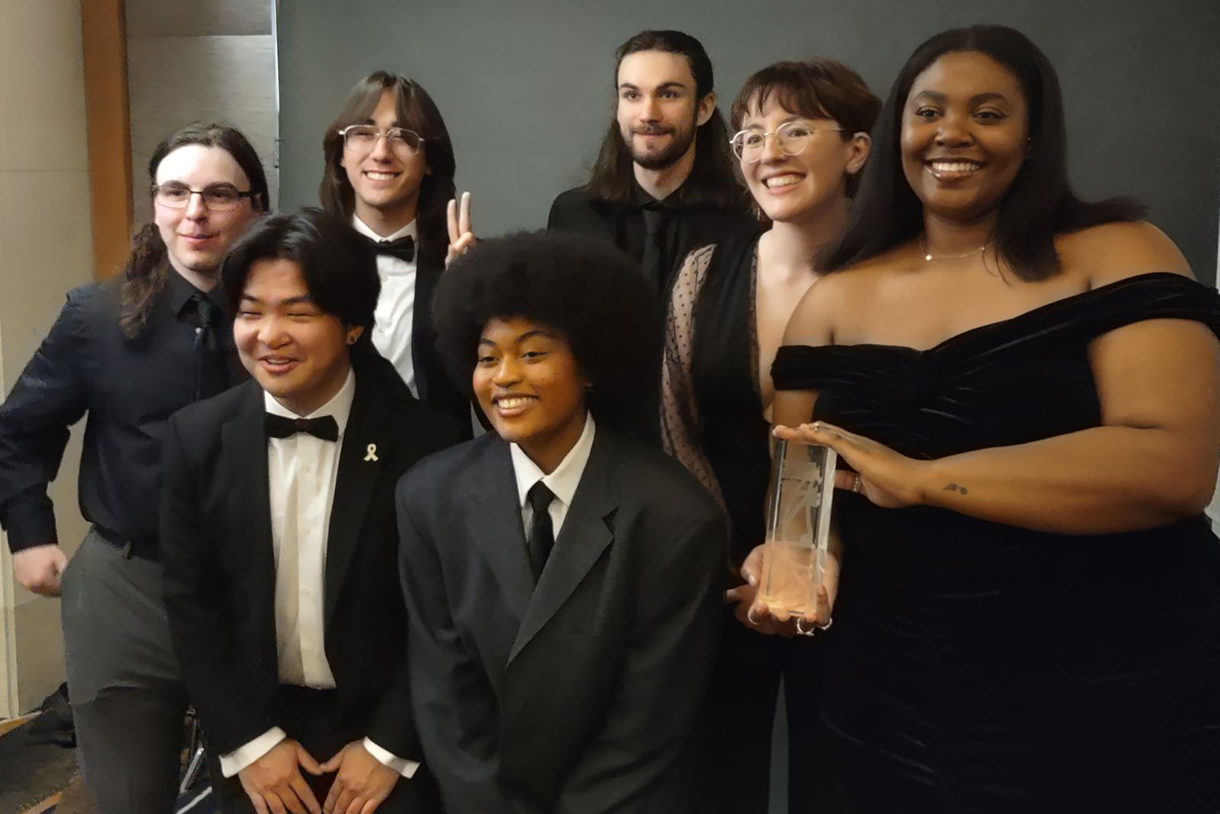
{"type": "Point", "coordinates": [1022, 389]}
{"type": "Point", "coordinates": [801, 139]}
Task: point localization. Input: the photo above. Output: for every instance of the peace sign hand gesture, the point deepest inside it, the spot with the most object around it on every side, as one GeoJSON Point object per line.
{"type": "Point", "coordinates": [460, 236]}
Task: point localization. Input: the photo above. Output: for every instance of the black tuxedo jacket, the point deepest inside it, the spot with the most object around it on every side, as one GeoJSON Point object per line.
{"type": "Point", "coordinates": [579, 695]}
{"type": "Point", "coordinates": [432, 380]}
{"type": "Point", "coordinates": [686, 227]}
{"type": "Point", "coordinates": [219, 562]}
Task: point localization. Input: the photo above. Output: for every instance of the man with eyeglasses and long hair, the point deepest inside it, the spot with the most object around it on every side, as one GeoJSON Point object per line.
{"type": "Point", "coordinates": [389, 172]}
{"type": "Point", "coordinates": [664, 180]}
{"type": "Point", "coordinates": [128, 352]}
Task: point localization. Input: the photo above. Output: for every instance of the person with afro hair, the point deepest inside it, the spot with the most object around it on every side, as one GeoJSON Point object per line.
{"type": "Point", "coordinates": [563, 579]}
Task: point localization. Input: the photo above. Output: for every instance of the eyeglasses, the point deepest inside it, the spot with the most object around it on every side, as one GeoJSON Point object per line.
{"type": "Point", "coordinates": [362, 138]}
{"type": "Point", "coordinates": [216, 197]}
{"type": "Point", "coordinates": [791, 138]}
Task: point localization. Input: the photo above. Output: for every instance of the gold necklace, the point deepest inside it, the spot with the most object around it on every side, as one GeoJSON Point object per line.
{"type": "Point", "coordinates": [929, 257]}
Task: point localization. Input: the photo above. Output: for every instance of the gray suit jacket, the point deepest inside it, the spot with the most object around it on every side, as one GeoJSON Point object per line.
{"type": "Point", "coordinates": [579, 695]}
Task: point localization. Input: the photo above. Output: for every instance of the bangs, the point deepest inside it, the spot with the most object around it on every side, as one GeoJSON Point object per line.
{"type": "Point", "coordinates": [815, 89]}
{"type": "Point", "coordinates": [796, 97]}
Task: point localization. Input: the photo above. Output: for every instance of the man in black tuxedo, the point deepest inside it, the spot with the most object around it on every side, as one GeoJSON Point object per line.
{"type": "Point", "coordinates": [280, 542]}
{"type": "Point", "coordinates": [562, 578]}
{"type": "Point", "coordinates": [389, 168]}
{"type": "Point", "coordinates": [665, 180]}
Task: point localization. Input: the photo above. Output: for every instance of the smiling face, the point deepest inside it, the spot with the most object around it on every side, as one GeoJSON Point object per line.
{"type": "Point", "coordinates": [196, 238]}
{"type": "Point", "coordinates": [658, 107]}
{"type": "Point", "coordinates": [964, 130]}
{"type": "Point", "coordinates": [386, 180]}
{"type": "Point", "coordinates": [296, 352]}
{"type": "Point", "coordinates": [530, 387]}
{"type": "Point", "coordinates": [792, 188]}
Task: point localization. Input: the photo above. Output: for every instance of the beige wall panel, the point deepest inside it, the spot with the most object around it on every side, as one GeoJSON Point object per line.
{"type": "Point", "coordinates": [45, 250]}
{"type": "Point", "coordinates": [184, 18]}
{"type": "Point", "coordinates": [173, 81]}
{"type": "Point", "coordinates": [42, 95]}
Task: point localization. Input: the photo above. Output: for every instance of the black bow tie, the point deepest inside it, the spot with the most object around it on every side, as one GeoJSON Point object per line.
{"type": "Point", "coordinates": [403, 248]}
{"type": "Point", "coordinates": [323, 427]}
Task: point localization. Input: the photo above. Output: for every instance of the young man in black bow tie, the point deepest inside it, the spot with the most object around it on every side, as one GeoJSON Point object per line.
{"type": "Point", "coordinates": [389, 172]}
{"type": "Point", "coordinates": [280, 553]}
{"type": "Point", "coordinates": [562, 578]}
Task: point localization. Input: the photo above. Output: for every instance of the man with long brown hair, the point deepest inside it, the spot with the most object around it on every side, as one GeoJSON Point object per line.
{"type": "Point", "coordinates": [664, 180]}
{"type": "Point", "coordinates": [389, 172]}
{"type": "Point", "coordinates": [129, 352]}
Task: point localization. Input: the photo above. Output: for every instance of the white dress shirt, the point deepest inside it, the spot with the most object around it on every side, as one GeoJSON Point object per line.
{"type": "Point", "coordinates": [395, 314]}
{"type": "Point", "coordinates": [562, 482]}
{"type": "Point", "coordinates": [302, 472]}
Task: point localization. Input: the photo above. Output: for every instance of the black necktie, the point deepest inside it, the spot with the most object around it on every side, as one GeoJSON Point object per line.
{"type": "Point", "coordinates": [211, 370]}
{"type": "Point", "coordinates": [542, 534]}
{"type": "Point", "coordinates": [403, 248]}
{"type": "Point", "coordinates": [323, 427]}
{"type": "Point", "coordinates": [651, 262]}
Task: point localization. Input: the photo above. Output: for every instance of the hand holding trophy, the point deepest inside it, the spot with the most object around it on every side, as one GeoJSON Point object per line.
{"type": "Point", "coordinates": [793, 567]}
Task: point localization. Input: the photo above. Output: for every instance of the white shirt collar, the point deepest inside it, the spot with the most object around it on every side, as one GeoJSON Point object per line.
{"type": "Point", "coordinates": [340, 405]}
{"type": "Point", "coordinates": [361, 227]}
{"type": "Point", "coordinates": [566, 477]}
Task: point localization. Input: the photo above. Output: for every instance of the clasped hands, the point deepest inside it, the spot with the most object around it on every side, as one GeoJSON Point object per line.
{"type": "Point", "coordinates": [275, 785]}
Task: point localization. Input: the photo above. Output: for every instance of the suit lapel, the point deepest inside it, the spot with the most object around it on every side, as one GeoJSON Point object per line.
{"type": "Point", "coordinates": [583, 539]}
{"type": "Point", "coordinates": [366, 444]}
{"type": "Point", "coordinates": [497, 523]}
{"type": "Point", "coordinates": [243, 460]}
{"type": "Point", "coordinates": [421, 327]}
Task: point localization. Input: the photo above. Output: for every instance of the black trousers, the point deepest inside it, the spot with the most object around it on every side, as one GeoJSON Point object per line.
{"type": "Point", "coordinates": [743, 697]}
{"type": "Point", "coordinates": [316, 720]}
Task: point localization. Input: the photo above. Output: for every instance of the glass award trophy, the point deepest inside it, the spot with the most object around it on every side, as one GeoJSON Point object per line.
{"type": "Point", "coordinates": [798, 526]}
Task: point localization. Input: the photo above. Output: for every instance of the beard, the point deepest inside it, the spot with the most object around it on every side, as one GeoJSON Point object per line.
{"type": "Point", "coordinates": [680, 141]}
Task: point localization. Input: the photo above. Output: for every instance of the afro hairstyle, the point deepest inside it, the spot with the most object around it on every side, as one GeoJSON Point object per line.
{"type": "Point", "coordinates": [581, 287]}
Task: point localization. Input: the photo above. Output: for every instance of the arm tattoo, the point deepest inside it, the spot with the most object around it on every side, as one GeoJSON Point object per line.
{"type": "Point", "coordinates": [953, 487]}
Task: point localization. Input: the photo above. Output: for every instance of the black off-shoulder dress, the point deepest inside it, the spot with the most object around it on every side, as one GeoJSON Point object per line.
{"type": "Point", "coordinates": [978, 667]}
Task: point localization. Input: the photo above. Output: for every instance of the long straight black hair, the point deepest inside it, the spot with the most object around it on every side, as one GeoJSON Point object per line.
{"type": "Point", "coordinates": [415, 111]}
{"type": "Point", "coordinates": [1040, 203]}
{"type": "Point", "coordinates": [712, 180]}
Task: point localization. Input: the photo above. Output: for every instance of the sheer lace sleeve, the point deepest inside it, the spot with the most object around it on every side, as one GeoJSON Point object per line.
{"type": "Point", "coordinates": [680, 422]}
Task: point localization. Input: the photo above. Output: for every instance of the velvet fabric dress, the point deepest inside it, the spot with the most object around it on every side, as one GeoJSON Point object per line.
{"type": "Point", "coordinates": [980, 667]}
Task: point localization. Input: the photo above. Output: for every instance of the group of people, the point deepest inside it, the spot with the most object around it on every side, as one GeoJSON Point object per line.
{"type": "Point", "coordinates": [293, 531]}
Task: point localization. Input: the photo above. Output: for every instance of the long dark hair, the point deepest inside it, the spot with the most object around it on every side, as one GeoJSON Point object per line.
{"type": "Point", "coordinates": [415, 111]}
{"type": "Point", "coordinates": [712, 181]}
{"type": "Point", "coordinates": [1039, 204]}
{"type": "Point", "coordinates": [145, 272]}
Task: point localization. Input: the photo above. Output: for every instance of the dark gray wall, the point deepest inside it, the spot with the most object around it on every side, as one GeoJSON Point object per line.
{"type": "Point", "coordinates": [526, 86]}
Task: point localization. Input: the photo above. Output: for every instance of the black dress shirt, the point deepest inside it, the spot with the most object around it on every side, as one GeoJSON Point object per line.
{"type": "Point", "coordinates": [657, 234]}
{"type": "Point", "coordinates": [129, 388]}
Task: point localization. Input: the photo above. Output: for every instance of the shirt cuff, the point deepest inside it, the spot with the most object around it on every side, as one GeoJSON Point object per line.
{"type": "Point", "coordinates": [404, 767]}
{"type": "Point", "coordinates": [29, 522]}
{"type": "Point", "coordinates": [243, 756]}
